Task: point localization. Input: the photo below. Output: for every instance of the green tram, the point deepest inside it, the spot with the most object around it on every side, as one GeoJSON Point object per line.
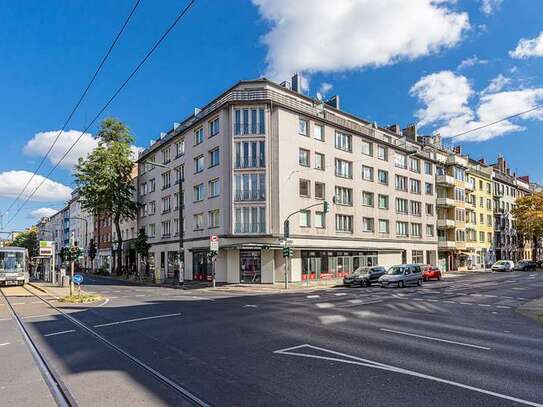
{"type": "Point", "coordinates": [14, 266]}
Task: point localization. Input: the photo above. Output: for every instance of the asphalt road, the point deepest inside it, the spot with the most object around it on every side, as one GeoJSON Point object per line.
{"type": "Point", "coordinates": [456, 342]}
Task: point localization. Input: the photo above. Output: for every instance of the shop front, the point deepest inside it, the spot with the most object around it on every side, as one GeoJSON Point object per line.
{"type": "Point", "coordinates": [325, 265]}
{"type": "Point", "coordinates": [202, 266]}
{"type": "Point", "coordinates": [250, 266]}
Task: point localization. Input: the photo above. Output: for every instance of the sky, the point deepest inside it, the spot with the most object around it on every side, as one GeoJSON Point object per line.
{"type": "Point", "coordinates": [447, 65]}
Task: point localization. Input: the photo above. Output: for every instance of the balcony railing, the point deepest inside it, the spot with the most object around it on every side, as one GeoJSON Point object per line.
{"type": "Point", "coordinates": [250, 227]}
{"type": "Point", "coordinates": [254, 195]}
{"type": "Point", "coordinates": [249, 128]}
{"type": "Point", "coordinates": [250, 162]}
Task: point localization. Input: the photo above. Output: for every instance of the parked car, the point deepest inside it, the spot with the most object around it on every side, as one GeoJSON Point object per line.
{"type": "Point", "coordinates": [525, 265]}
{"type": "Point", "coordinates": [402, 275]}
{"type": "Point", "coordinates": [364, 276]}
{"type": "Point", "coordinates": [503, 265]}
{"type": "Point", "coordinates": [430, 272]}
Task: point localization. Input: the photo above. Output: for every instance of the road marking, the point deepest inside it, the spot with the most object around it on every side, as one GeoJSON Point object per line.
{"type": "Point", "coordinates": [202, 298]}
{"type": "Point", "coordinates": [466, 303]}
{"type": "Point", "coordinates": [449, 301]}
{"type": "Point", "coordinates": [356, 301]}
{"type": "Point", "coordinates": [503, 306]}
{"type": "Point", "coordinates": [139, 295]}
{"type": "Point", "coordinates": [102, 304]}
{"type": "Point", "coordinates": [126, 321]}
{"type": "Point", "coordinates": [250, 306]}
{"type": "Point", "coordinates": [340, 294]}
{"type": "Point", "coordinates": [484, 305]}
{"type": "Point", "coordinates": [354, 360]}
{"type": "Point", "coordinates": [60, 332]}
{"type": "Point", "coordinates": [325, 305]}
{"type": "Point", "coordinates": [39, 316]}
{"type": "Point", "coordinates": [435, 339]}
{"type": "Point", "coordinates": [332, 319]}
{"type": "Point", "coordinates": [4, 344]}
{"type": "Point", "coordinates": [518, 288]}
{"type": "Point", "coordinates": [312, 296]}
{"type": "Point", "coordinates": [5, 319]}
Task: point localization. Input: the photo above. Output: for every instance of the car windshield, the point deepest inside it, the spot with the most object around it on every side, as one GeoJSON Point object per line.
{"type": "Point", "coordinates": [501, 263]}
{"type": "Point", "coordinates": [360, 271]}
{"type": "Point", "coordinates": [396, 270]}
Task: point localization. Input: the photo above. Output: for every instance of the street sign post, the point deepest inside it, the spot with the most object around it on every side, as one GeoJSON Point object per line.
{"type": "Point", "coordinates": [78, 279]}
{"type": "Point", "coordinates": [213, 252]}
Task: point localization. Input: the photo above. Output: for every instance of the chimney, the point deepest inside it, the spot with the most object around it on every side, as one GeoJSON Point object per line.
{"type": "Point", "coordinates": [457, 150]}
{"type": "Point", "coordinates": [296, 82]}
{"type": "Point", "coordinates": [396, 129]}
{"type": "Point", "coordinates": [333, 101]}
{"type": "Point", "coordinates": [525, 178]}
{"type": "Point", "coordinates": [482, 161]}
{"type": "Point", "coordinates": [501, 163]}
{"type": "Point", "coordinates": [410, 132]}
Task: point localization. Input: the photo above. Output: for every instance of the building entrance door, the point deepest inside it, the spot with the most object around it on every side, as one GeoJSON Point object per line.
{"type": "Point", "coordinates": [250, 266]}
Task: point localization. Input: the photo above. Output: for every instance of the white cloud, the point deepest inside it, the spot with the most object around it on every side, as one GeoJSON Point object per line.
{"type": "Point", "coordinates": [474, 60]}
{"type": "Point", "coordinates": [12, 182]}
{"type": "Point", "coordinates": [497, 84]}
{"type": "Point", "coordinates": [446, 99]}
{"type": "Point", "coordinates": [311, 36]}
{"type": "Point", "coordinates": [529, 47]}
{"type": "Point", "coordinates": [325, 88]}
{"type": "Point", "coordinates": [490, 6]}
{"type": "Point", "coordinates": [42, 213]}
{"type": "Point", "coordinates": [41, 142]}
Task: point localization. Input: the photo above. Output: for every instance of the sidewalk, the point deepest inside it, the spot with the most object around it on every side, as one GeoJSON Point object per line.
{"type": "Point", "coordinates": [533, 309]}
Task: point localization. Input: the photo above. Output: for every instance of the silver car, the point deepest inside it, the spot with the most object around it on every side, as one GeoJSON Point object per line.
{"type": "Point", "coordinates": [503, 265]}
{"type": "Point", "coordinates": [402, 275]}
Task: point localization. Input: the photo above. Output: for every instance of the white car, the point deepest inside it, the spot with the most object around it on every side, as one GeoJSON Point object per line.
{"type": "Point", "coordinates": [503, 265]}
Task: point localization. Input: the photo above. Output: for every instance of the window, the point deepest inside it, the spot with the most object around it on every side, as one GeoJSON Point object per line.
{"type": "Point", "coordinates": [303, 157]}
{"type": "Point", "coordinates": [414, 186]}
{"type": "Point", "coordinates": [319, 220]}
{"type": "Point", "coordinates": [489, 237]}
{"type": "Point", "coordinates": [402, 229]}
{"type": "Point", "coordinates": [151, 207]}
{"type": "Point", "coordinates": [417, 256]}
{"type": "Point", "coordinates": [460, 215]}
{"type": "Point", "coordinates": [179, 173]}
{"type": "Point", "coordinates": [166, 228]}
{"type": "Point", "coordinates": [489, 220]}
{"type": "Point", "coordinates": [166, 204]}
{"type": "Point", "coordinates": [143, 188]}
{"type": "Point", "coordinates": [256, 124]}
{"type": "Point", "coordinates": [176, 200]}
{"type": "Point", "coordinates": [344, 223]}
{"type": "Point", "coordinates": [198, 164]}
{"type": "Point", "coordinates": [176, 227]}
{"type": "Point", "coordinates": [414, 164]}
{"type": "Point", "coordinates": [459, 174]}
{"type": "Point", "coordinates": [152, 230]}
{"type": "Point", "coordinates": [489, 204]}
{"type": "Point", "coordinates": [367, 173]}
{"type": "Point", "coordinates": [305, 218]}
{"type": "Point", "coordinates": [429, 188]}
{"type": "Point", "coordinates": [401, 183]}
{"type": "Point", "coordinates": [415, 208]}
{"type": "Point", "coordinates": [460, 235]}
{"type": "Point", "coordinates": [302, 127]}
{"type": "Point", "coordinates": [214, 127]}
{"type": "Point", "coordinates": [214, 187]}
{"type": "Point", "coordinates": [319, 161]}
{"type": "Point", "coordinates": [416, 230]}
{"type": "Point", "coordinates": [199, 192]}
{"type": "Point", "coordinates": [166, 180]}
{"type": "Point", "coordinates": [250, 220]}
{"type": "Point", "coordinates": [152, 185]}
{"type": "Point", "coordinates": [214, 158]}
{"type": "Point", "coordinates": [430, 230]}
{"type": "Point", "coordinates": [318, 132]}
{"type": "Point", "coordinates": [199, 136]}
{"type": "Point", "coordinates": [344, 168]}
{"type": "Point", "coordinates": [382, 153]}
{"type": "Point", "coordinates": [367, 198]}
{"type": "Point", "coordinates": [382, 177]}
{"type": "Point", "coordinates": [427, 168]}
{"type": "Point", "coordinates": [213, 218]}
{"type": "Point", "coordinates": [402, 205]}
{"type": "Point", "coordinates": [250, 154]}
{"type": "Point", "coordinates": [400, 160]}
{"type": "Point", "coordinates": [305, 188]}
{"type": "Point", "coordinates": [198, 220]}
{"type": "Point", "coordinates": [344, 196]}
{"type": "Point", "coordinates": [180, 148]}
{"type": "Point", "coordinates": [488, 188]}
{"type": "Point", "coordinates": [319, 190]}
{"type": "Point", "coordinates": [459, 194]}
{"type": "Point", "coordinates": [482, 237]}
{"type": "Point", "coordinates": [383, 226]}
{"type": "Point", "coordinates": [166, 155]}
{"type": "Point", "coordinates": [367, 224]}
{"type": "Point", "coordinates": [367, 148]}
{"type": "Point", "coordinates": [344, 141]}
{"type": "Point", "coordinates": [383, 201]}
{"type": "Point", "coordinates": [250, 187]}
{"type": "Point", "coordinates": [429, 209]}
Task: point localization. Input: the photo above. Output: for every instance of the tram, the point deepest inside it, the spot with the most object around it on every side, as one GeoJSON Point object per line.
{"type": "Point", "coordinates": [13, 266]}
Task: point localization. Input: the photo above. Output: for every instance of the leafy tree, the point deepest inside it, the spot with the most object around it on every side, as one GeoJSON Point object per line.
{"type": "Point", "coordinates": [142, 246]}
{"type": "Point", "coordinates": [27, 239]}
{"type": "Point", "coordinates": [528, 213]}
{"type": "Point", "coordinates": [104, 178]}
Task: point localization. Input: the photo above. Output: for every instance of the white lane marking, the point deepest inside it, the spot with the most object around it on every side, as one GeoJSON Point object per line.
{"type": "Point", "coordinates": [104, 303]}
{"type": "Point", "coordinates": [340, 294]}
{"type": "Point", "coordinates": [449, 302]}
{"type": "Point", "coordinates": [19, 303]}
{"type": "Point", "coordinates": [111, 298]}
{"type": "Point", "coordinates": [356, 301]}
{"type": "Point", "coordinates": [4, 344]}
{"type": "Point", "coordinates": [202, 298]}
{"type": "Point", "coordinates": [503, 306]}
{"type": "Point", "coordinates": [435, 339]}
{"type": "Point", "coordinates": [518, 288]}
{"type": "Point", "coordinates": [39, 316]}
{"type": "Point", "coordinates": [484, 305]}
{"type": "Point", "coordinates": [126, 321]}
{"type": "Point", "coordinates": [325, 305]}
{"type": "Point", "coordinates": [60, 332]}
{"type": "Point", "coordinates": [312, 296]}
{"type": "Point", "coordinates": [466, 303]}
{"type": "Point", "coordinates": [5, 319]}
{"type": "Point", "coordinates": [139, 295]}
{"type": "Point", "coordinates": [332, 319]}
{"type": "Point", "coordinates": [250, 306]}
{"type": "Point", "coordinates": [354, 360]}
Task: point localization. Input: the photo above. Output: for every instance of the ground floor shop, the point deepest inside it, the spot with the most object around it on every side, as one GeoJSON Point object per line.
{"type": "Point", "coordinates": [465, 260]}
{"type": "Point", "coordinates": [261, 261]}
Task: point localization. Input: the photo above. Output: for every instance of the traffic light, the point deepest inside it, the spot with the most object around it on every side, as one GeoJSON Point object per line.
{"type": "Point", "coordinates": [326, 207]}
{"type": "Point", "coordinates": [288, 251]}
{"type": "Point", "coordinates": [92, 249]}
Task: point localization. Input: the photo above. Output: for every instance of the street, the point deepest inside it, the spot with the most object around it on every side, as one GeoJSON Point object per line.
{"type": "Point", "coordinates": [458, 341]}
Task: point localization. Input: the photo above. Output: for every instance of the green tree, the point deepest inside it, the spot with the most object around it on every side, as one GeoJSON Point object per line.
{"type": "Point", "coordinates": [104, 178]}
{"type": "Point", "coordinates": [27, 239]}
{"type": "Point", "coordinates": [528, 213]}
{"type": "Point", "coordinates": [142, 247]}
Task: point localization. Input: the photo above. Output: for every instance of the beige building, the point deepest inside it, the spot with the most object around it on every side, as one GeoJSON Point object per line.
{"type": "Point", "coordinates": [262, 151]}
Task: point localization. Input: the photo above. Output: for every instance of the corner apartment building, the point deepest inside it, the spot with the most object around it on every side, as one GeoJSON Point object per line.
{"type": "Point", "coordinates": [261, 151]}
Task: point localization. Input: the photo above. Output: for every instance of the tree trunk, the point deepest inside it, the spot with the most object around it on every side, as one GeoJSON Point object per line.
{"type": "Point", "coordinates": [117, 221]}
{"type": "Point", "coordinates": [535, 245]}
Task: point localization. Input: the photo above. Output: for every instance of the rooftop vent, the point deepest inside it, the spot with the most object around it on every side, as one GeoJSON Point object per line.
{"type": "Point", "coordinates": [197, 110]}
{"type": "Point", "coordinates": [162, 135]}
{"type": "Point", "coordinates": [333, 101]}
{"type": "Point", "coordinates": [285, 84]}
{"type": "Point", "coordinates": [176, 125]}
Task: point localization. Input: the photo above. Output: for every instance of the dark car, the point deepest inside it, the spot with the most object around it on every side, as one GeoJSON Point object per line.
{"type": "Point", "coordinates": [364, 276]}
{"type": "Point", "coordinates": [525, 265]}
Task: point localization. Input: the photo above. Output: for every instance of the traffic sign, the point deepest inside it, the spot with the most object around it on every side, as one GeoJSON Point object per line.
{"type": "Point", "coordinates": [78, 279]}
{"type": "Point", "coordinates": [214, 243]}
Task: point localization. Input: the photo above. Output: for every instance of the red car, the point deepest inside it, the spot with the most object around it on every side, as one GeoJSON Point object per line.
{"type": "Point", "coordinates": [429, 272]}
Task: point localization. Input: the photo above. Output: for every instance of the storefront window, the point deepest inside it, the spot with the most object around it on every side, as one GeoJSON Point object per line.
{"type": "Point", "coordinates": [320, 265]}
{"type": "Point", "coordinates": [250, 266]}
{"type": "Point", "coordinates": [173, 265]}
{"type": "Point", "coordinates": [201, 266]}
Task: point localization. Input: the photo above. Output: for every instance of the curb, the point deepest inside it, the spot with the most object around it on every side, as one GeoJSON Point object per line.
{"type": "Point", "coordinates": [38, 288]}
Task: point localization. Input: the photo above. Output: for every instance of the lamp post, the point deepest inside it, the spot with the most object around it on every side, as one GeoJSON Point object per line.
{"type": "Point", "coordinates": [181, 254]}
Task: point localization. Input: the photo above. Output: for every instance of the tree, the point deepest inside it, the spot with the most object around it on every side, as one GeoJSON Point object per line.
{"type": "Point", "coordinates": [142, 247]}
{"type": "Point", "coordinates": [528, 213]}
{"type": "Point", "coordinates": [27, 239]}
{"type": "Point", "coordinates": [92, 253]}
{"type": "Point", "coordinates": [104, 178]}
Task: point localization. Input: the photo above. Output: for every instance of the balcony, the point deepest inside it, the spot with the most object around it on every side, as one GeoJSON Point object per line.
{"type": "Point", "coordinates": [445, 202]}
{"type": "Point", "coordinates": [445, 180]}
{"type": "Point", "coordinates": [457, 160]}
{"type": "Point", "coordinates": [446, 244]}
{"type": "Point", "coordinates": [250, 227]}
{"type": "Point", "coordinates": [250, 162]}
{"type": "Point", "coordinates": [249, 128]}
{"type": "Point", "coordinates": [470, 186]}
{"type": "Point", "coordinates": [254, 195]}
{"type": "Point", "coordinates": [445, 223]}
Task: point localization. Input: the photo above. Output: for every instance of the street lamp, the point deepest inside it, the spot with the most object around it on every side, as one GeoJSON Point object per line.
{"type": "Point", "coordinates": [181, 255]}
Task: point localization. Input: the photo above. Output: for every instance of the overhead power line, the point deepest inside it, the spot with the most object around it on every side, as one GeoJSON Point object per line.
{"type": "Point", "coordinates": [105, 106]}
{"type": "Point", "coordinates": [67, 121]}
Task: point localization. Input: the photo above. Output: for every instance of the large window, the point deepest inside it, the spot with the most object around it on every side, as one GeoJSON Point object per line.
{"type": "Point", "coordinates": [320, 220]}
{"type": "Point", "coordinates": [199, 136]}
{"type": "Point", "coordinates": [199, 164]}
{"type": "Point", "coordinates": [319, 161]}
{"type": "Point", "coordinates": [402, 206]}
{"type": "Point", "coordinates": [214, 187]}
{"type": "Point", "coordinates": [416, 230]}
{"type": "Point", "coordinates": [166, 180]}
{"type": "Point", "coordinates": [383, 226]}
{"type": "Point", "coordinates": [402, 229]}
{"type": "Point", "coordinates": [427, 168]}
{"type": "Point", "coordinates": [166, 228]}
{"type": "Point", "coordinates": [250, 220]}
{"type": "Point", "coordinates": [250, 187]}
{"type": "Point", "coordinates": [214, 218]}
{"type": "Point", "coordinates": [344, 141]}
{"type": "Point", "coordinates": [302, 127]}
{"type": "Point", "coordinates": [414, 186]}
{"type": "Point", "coordinates": [214, 127]}
{"type": "Point", "coordinates": [249, 121]}
{"type": "Point", "coordinates": [344, 168]}
{"type": "Point", "coordinates": [382, 153]}
{"type": "Point", "coordinates": [344, 223]}
{"type": "Point", "coordinates": [250, 154]}
{"type": "Point", "coordinates": [383, 201]}
{"type": "Point", "coordinates": [417, 256]}
{"type": "Point", "coordinates": [198, 192]}
{"type": "Point", "coordinates": [367, 225]}
{"type": "Point", "coordinates": [199, 221]}
{"type": "Point", "coordinates": [303, 157]}
{"type": "Point", "coordinates": [166, 204]}
{"type": "Point", "coordinates": [401, 183]}
{"type": "Point", "coordinates": [382, 177]}
{"type": "Point", "coordinates": [416, 208]}
{"type": "Point", "coordinates": [305, 218]}
{"type": "Point", "coordinates": [319, 190]}
{"type": "Point", "coordinates": [180, 148]}
{"type": "Point", "coordinates": [414, 164]}
{"type": "Point", "coordinates": [344, 196]}
{"type": "Point", "coordinates": [367, 173]}
{"type": "Point", "coordinates": [318, 132]}
{"type": "Point", "coordinates": [367, 148]}
{"type": "Point", "coordinates": [214, 157]}
{"type": "Point", "coordinates": [400, 160]}
{"type": "Point", "coordinates": [367, 198]}
{"type": "Point", "coordinates": [166, 155]}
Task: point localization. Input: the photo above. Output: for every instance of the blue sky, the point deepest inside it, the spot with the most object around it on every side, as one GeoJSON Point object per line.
{"type": "Point", "coordinates": [447, 65]}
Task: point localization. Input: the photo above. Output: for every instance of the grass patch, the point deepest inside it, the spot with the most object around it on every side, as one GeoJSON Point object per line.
{"type": "Point", "coordinates": [80, 299]}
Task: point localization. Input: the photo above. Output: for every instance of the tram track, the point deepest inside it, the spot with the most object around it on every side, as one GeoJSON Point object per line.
{"type": "Point", "coordinates": [60, 393]}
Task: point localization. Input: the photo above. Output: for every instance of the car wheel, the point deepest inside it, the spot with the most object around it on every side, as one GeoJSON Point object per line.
{"type": "Point", "coordinates": [401, 284]}
{"type": "Point", "coordinates": [419, 282]}
{"type": "Point", "coordinates": [364, 283]}
{"type": "Point", "coordinates": [438, 277]}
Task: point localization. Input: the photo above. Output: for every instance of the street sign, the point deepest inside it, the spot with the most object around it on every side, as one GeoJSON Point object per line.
{"type": "Point", "coordinates": [214, 243]}
{"type": "Point", "coordinates": [78, 279]}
